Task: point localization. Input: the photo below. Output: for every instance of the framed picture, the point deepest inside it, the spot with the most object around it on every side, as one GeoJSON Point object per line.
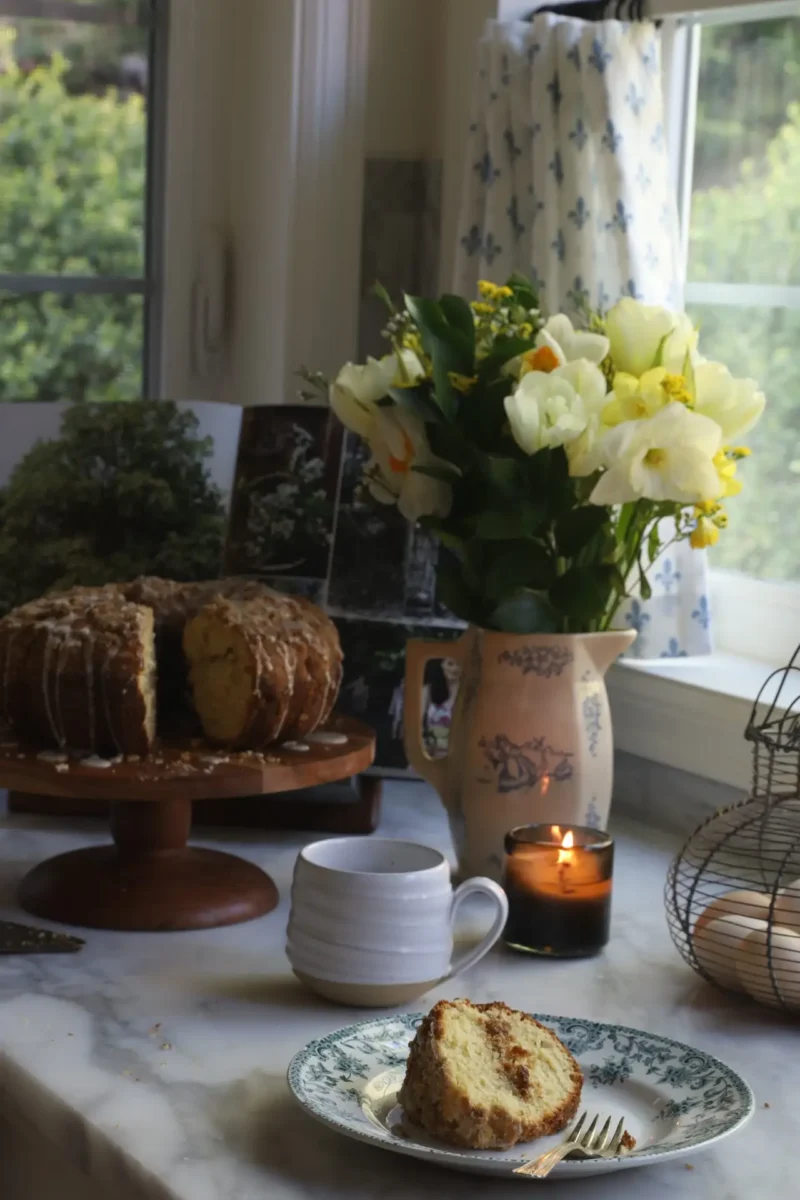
{"type": "Point", "coordinates": [284, 501]}
{"type": "Point", "coordinates": [92, 493]}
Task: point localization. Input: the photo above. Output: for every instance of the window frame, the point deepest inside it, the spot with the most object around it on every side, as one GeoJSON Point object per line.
{"type": "Point", "coordinates": [153, 15]}
{"type": "Point", "coordinates": [752, 617]}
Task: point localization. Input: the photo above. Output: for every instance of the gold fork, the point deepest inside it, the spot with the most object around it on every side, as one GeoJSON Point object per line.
{"type": "Point", "coordinates": [583, 1145]}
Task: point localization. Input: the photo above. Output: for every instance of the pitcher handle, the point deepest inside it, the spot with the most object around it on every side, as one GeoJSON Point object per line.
{"type": "Point", "coordinates": [418, 654]}
{"type": "Point", "coordinates": [486, 887]}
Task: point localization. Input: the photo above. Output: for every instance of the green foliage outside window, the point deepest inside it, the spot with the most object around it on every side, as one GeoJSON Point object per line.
{"type": "Point", "coordinates": [72, 187]}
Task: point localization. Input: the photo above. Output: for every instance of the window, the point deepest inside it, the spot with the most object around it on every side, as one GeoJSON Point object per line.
{"type": "Point", "coordinates": [81, 114]}
{"type": "Point", "coordinates": [742, 218]}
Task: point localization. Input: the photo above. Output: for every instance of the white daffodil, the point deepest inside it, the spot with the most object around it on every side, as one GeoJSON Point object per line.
{"type": "Point", "coordinates": [570, 344]}
{"type": "Point", "coordinates": [669, 456]}
{"type": "Point", "coordinates": [636, 332]}
{"type": "Point", "coordinates": [553, 409]}
{"type": "Point", "coordinates": [398, 444]}
{"type": "Point", "coordinates": [357, 389]}
{"type": "Point", "coordinates": [735, 404]}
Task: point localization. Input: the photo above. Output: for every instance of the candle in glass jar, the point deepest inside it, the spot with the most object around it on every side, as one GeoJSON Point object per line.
{"type": "Point", "coordinates": [558, 882]}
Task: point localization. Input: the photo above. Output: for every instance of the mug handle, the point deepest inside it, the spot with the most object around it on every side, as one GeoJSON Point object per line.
{"type": "Point", "coordinates": [488, 888]}
{"type": "Point", "coordinates": [418, 654]}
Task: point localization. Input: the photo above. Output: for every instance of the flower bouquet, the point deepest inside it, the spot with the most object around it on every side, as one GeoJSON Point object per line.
{"type": "Point", "coordinates": [554, 462]}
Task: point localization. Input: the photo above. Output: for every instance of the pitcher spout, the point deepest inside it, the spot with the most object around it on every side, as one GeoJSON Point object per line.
{"type": "Point", "coordinates": [605, 648]}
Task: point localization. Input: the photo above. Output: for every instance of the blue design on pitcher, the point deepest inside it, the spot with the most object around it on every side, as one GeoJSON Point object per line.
{"type": "Point", "coordinates": [592, 711]}
{"type": "Point", "coordinates": [544, 661]}
{"type": "Point", "coordinates": [526, 765]}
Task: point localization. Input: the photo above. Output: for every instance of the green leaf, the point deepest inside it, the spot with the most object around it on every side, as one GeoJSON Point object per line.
{"type": "Point", "coordinates": [458, 314]}
{"type": "Point", "coordinates": [644, 584]}
{"type": "Point", "coordinates": [505, 475]}
{"type": "Point", "coordinates": [520, 522]}
{"type": "Point", "coordinates": [582, 593]}
{"type": "Point", "coordinates": [453, 592]}
{"type": "Point", "coordinates": [505, 348]}
{"type": "Point", "coordinates": [522, 563]}
{"type": "Point", "coordinates": [653, 543]}
{"type": "Point", "coordinates": [449, 348]}
{"type": "Point", "coordinates": [575, 528]}
{"type": "Point", "coordinates": [525, 612]}
{"type": "Point", "coordinates": [524, 291]}
{"type": "Point", "coordinates": [380, 291]}
{"type": "Point", "coordinates": [448, 441]}
{"type": "Point", "coordinates": [418, 400]}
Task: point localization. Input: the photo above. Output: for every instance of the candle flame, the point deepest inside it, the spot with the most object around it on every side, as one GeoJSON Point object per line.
{"type": "Point", "coordinates": [567, 842]}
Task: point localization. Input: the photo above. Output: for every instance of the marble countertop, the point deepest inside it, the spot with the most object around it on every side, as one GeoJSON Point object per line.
{"type": "Point", "coordinates": [157, 1062]}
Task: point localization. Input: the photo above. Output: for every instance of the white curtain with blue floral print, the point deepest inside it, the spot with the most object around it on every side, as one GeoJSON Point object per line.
{"type": "Point", "coordinates": [568, 180]}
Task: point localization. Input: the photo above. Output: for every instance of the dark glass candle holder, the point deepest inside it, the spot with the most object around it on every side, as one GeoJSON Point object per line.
{"type": "Point", "coordinates": [558, 882]}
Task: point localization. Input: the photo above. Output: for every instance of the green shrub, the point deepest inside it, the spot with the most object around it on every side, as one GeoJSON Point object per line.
{"type": "Point", "coordinates": [123, 491]}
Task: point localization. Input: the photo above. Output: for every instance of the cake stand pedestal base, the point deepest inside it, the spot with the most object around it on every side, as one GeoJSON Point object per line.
{"type": "Point", "coordinates": [149, 879]}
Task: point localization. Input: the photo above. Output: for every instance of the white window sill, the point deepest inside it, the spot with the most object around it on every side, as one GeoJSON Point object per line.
{"type": "Point", "coordinates": [690, 713]}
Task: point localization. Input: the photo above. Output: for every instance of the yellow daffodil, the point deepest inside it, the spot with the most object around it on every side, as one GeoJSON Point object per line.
{"type": "Point", "coordinates": [491, 291]}
{"type": "Point", "coordinates": [726, 468]}
{"type": "Point", "coordinates": [632, 398]}
{"type": "Point", "coordinates": [462, 383]}
{"type": "Point", "coordinates": [704, 534]}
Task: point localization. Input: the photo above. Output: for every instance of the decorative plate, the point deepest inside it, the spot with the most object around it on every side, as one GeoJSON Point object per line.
{"type": "Point", "coordinates": [675, 1099]}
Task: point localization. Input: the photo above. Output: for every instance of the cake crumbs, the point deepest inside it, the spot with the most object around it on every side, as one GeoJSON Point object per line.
{"type": "Point", "coordinates": [689, 1166]}
{"type": "Point", "coordinates": [155, 1028]}
{"type": "Point", "coordinates": [62, 767]}
{"type": "Point", "coordinates": [166, 1045]}
{"type": "Point", "coordinates": [767, 1104]}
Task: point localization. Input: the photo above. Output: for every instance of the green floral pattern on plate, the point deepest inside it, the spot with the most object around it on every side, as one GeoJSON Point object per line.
{"type": "Point", "coordinates": [692, 1098]}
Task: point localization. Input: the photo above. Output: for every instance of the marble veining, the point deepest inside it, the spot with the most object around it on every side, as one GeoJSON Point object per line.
{"type": "Point", "coordinates": [156, 1063]}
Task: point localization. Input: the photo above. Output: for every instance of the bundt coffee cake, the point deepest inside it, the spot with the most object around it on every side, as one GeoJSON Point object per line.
{"type": "Point", "coordinates": [98, 669]}
{"type": "Point", "coordinates": [487, 1077]}
{"type": "Point", "coordinates": [79, 670]}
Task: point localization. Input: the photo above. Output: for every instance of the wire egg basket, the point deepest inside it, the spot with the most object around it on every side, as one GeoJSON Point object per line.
{"type": "Point", "coordinates": [733, 892]}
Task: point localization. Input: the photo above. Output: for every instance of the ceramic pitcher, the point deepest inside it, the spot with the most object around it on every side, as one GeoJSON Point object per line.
{"type": "Point", "coordinates": [530, 739]}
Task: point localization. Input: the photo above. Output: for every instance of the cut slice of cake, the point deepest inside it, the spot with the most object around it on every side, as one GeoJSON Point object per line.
{"type": "Point", "coordinates": [487, 1077]}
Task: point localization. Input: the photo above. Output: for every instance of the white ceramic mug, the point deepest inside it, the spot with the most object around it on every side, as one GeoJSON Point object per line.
{"type": "Point", "coordinates": [372, 920]}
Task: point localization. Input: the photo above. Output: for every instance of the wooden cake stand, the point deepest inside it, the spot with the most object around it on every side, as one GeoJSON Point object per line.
{"type": "Point", "coordinates": [149, 879]}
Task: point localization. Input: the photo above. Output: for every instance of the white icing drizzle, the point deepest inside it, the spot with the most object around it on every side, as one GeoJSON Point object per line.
{"type": "Point", "coordinates": [106, 706]}
{"type": "Point", "coordinates": [52, 756]}
{"type": "Point", "coordinates": [60, 657]}
{"type": "Point", "coordinates": [326, 738]}
{"type": "Point", "coordinates": [298, 747]}
{"type": "Point", "coordinates": [94, 761]}
{"type": "Point", "coordinates": [48, 650]}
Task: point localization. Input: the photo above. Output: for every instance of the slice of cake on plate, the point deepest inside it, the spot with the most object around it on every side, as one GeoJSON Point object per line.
{"type": "Point", "coordinates": [486, 1077]}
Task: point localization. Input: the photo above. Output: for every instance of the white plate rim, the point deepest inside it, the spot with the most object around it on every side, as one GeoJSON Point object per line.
{"type": "Point", "coordinates": [488, 1162]}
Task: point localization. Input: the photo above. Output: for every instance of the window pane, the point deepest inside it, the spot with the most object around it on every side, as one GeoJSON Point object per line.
{"type": "Point", "coordinates": [72, 148]}
{"type": "Point", "coordinates": [763, 537]}
{"type": "Point", "coordinates": [745, 220]}
{"type": "Point", "coordinates": [71, 347]}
